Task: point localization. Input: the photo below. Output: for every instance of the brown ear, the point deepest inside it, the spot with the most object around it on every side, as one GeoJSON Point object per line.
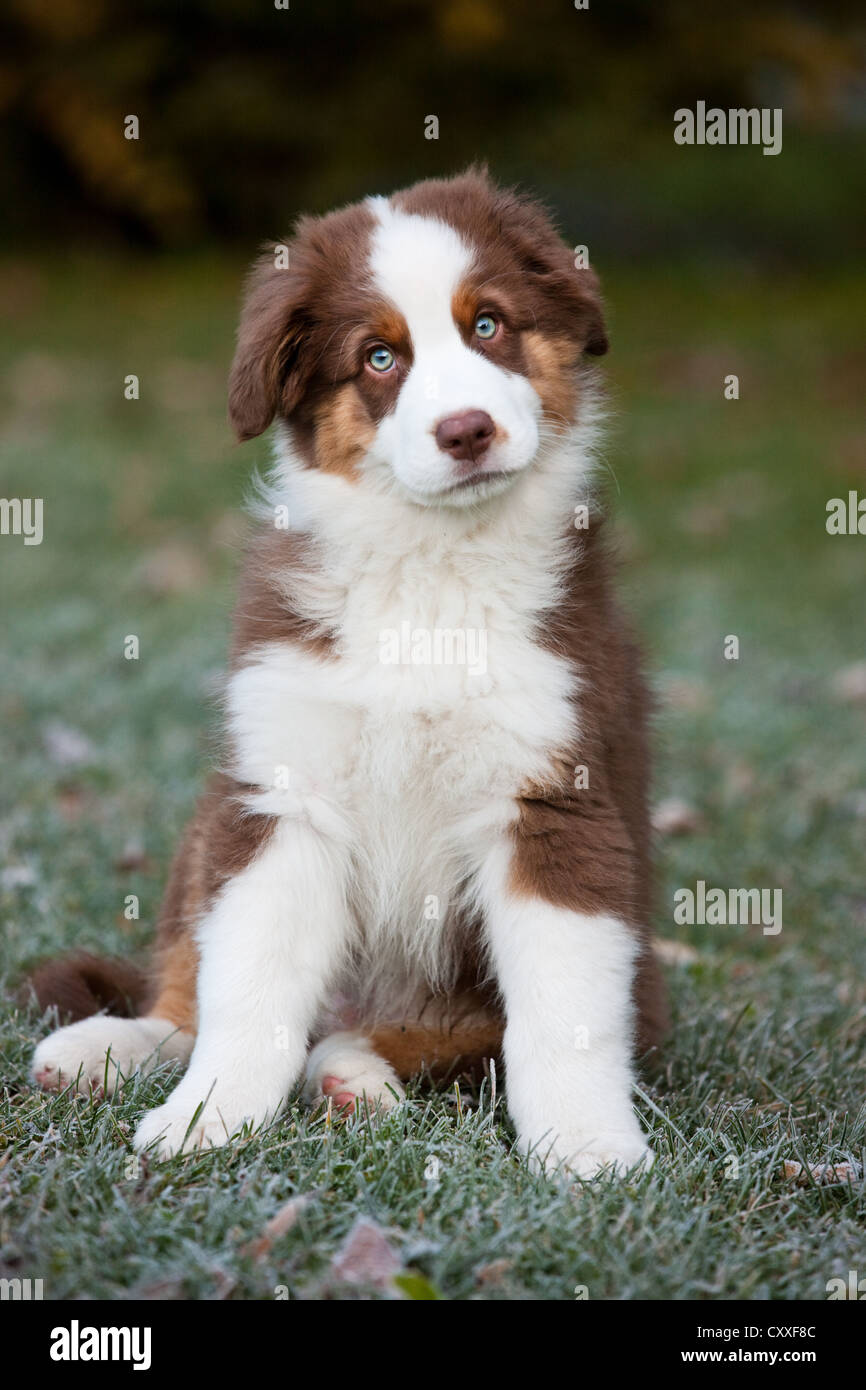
{"type": "Point", "coordinates": [267, 376]}
{"type": "Point", "coordinates": [572, 294]}
{"type": "Point", "coordinates": [576, 290]}
{"type": "Point", "coordinates": [590, 312]}
{"type": "Point", "coordinates": [577, 298]}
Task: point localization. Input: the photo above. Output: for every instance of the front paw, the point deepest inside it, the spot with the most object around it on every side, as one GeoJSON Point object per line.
{"type": "Point", "coordinates": [181, 1127]}
{"type": "Point", "coordinates": [588, 1156]}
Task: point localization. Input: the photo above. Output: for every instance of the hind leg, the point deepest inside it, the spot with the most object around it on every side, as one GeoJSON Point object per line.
{"type": "Point", "coordinates": [442, 1035]}
{"type": "Point", "coordinates": [98, 1053]}
{"type": "Point", "coordinates": [344, 1067]}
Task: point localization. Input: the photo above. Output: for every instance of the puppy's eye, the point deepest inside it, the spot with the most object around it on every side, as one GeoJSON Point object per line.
{"type": "Point", "coordinates": [486, 326]}
{"type": "Point", "coordinates": [381, 359]}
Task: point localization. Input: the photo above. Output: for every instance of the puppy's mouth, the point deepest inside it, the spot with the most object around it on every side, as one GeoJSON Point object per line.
{"type": "Point", "coordinates": [481, 475]}
{"type": "Point", "coordinates": [483, 478]}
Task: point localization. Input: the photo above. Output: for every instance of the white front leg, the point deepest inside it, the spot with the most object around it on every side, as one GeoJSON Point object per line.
{"type": "Point", "coordinates": [268, 946]}
{"type": "Point", "coordinates": [566, 980]}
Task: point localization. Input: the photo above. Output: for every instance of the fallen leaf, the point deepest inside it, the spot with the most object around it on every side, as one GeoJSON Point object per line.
{"type": "Point", "coordinates": [283, 1221]}
{"type": "Point", "coordinates": [163, 1290]}
{"type": "Point", "coordinates": [493, 1273]}
{"type": "Point", "coordinates": [804, 1175]}
{"type": "Point", "coordinates": [366, 1257]}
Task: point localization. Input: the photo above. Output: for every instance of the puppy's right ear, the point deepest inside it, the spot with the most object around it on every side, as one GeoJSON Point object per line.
{"type": "Point", "coordinates": [267, 376]}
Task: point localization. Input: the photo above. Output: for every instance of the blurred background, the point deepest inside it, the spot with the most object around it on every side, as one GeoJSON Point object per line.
{"type": "Point", "coordinates": [249, 113]}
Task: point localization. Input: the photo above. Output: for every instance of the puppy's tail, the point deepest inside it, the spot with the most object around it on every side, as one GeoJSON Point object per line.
{"type": "Point", "coordinates": [80, 984]}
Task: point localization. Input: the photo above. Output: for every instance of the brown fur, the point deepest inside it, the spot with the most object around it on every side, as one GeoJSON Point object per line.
{"type": "Point", "coordinates": [455, 1034]}
{"type": "Point", "coordinates": [551, 366]}
{"type": "Point", "coordinates": [80, 984]}
{"type": "Point", "coordinates": [220, 840]}
{"type": "Point", "coordinates": [344, 432]}
{"type": "Point", "coordinates": [264, 611]}
{"type": "Point", "coordinates": [588, 848]}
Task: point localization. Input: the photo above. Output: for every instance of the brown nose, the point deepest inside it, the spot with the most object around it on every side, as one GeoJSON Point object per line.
{"type": "Point", "coordinates": [466, 436]}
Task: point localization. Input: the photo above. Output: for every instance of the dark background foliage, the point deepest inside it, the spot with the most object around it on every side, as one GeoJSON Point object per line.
{"type": "Point", "coordinates": [249, 114]}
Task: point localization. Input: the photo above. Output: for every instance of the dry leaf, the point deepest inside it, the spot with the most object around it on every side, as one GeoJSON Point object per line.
{"type": "Point", "coordinates": [366, 1257]}
{"type": "Point", "coordinates": [493, 1273]}
{"type": "Point", "coordinates": [278, 1225]}
{"type": "Point", "coordinates": [819, 1172]}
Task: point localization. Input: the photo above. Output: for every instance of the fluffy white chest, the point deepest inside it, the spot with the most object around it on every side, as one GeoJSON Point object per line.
{"type": "Point", "coordinates": [410, 751]}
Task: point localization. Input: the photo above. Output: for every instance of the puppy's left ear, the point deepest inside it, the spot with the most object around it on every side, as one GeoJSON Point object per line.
{"type": "Point", "coordinates": [589, 311]}
{"type": "Point", "coordinates": [571, 294]}
{"type": "Point", "coordinates": [574, 298]}
{"type": "Point", "coordinates": [267, 375]}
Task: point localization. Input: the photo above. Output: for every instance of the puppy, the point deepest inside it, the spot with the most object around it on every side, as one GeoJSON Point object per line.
{"type": "Point", "coordinates": [428, 842]}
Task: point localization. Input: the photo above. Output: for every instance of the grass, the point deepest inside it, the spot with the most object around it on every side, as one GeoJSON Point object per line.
{"type": "Point", "coordinates": [720, 508]}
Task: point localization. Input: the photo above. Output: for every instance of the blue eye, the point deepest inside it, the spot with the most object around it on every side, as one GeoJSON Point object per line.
{"type": "Point", "coordinates": [381, 359]}
{"type": "Point", "coordinates": [485, 326]}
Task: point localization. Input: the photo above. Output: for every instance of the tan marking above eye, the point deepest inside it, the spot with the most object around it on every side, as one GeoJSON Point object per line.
{"type": "Point", "coordinates": [387, 328]}
{"type": "Point", "coordinates": [464, 308]}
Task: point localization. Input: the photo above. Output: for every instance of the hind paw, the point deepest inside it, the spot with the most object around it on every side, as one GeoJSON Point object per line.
{"type": "Point", "coordinates": [344, 1068]}
{"type": "Point", "coordinates": [97, 1054]}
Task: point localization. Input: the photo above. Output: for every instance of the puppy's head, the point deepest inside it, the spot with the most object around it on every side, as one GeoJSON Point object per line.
{"type": "Point", "coordinates": [432, 338]}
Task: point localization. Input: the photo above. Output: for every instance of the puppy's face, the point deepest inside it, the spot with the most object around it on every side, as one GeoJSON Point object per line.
{"type": "Point", "coordinates": [430, 340]}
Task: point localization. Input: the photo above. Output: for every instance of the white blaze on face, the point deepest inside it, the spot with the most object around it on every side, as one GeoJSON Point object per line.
{"type": "Point", "coordinates": [417, 263]}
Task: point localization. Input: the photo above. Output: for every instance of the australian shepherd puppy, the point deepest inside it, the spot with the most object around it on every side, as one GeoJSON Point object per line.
{"type": "Point", "coordinates": [428, 841]}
